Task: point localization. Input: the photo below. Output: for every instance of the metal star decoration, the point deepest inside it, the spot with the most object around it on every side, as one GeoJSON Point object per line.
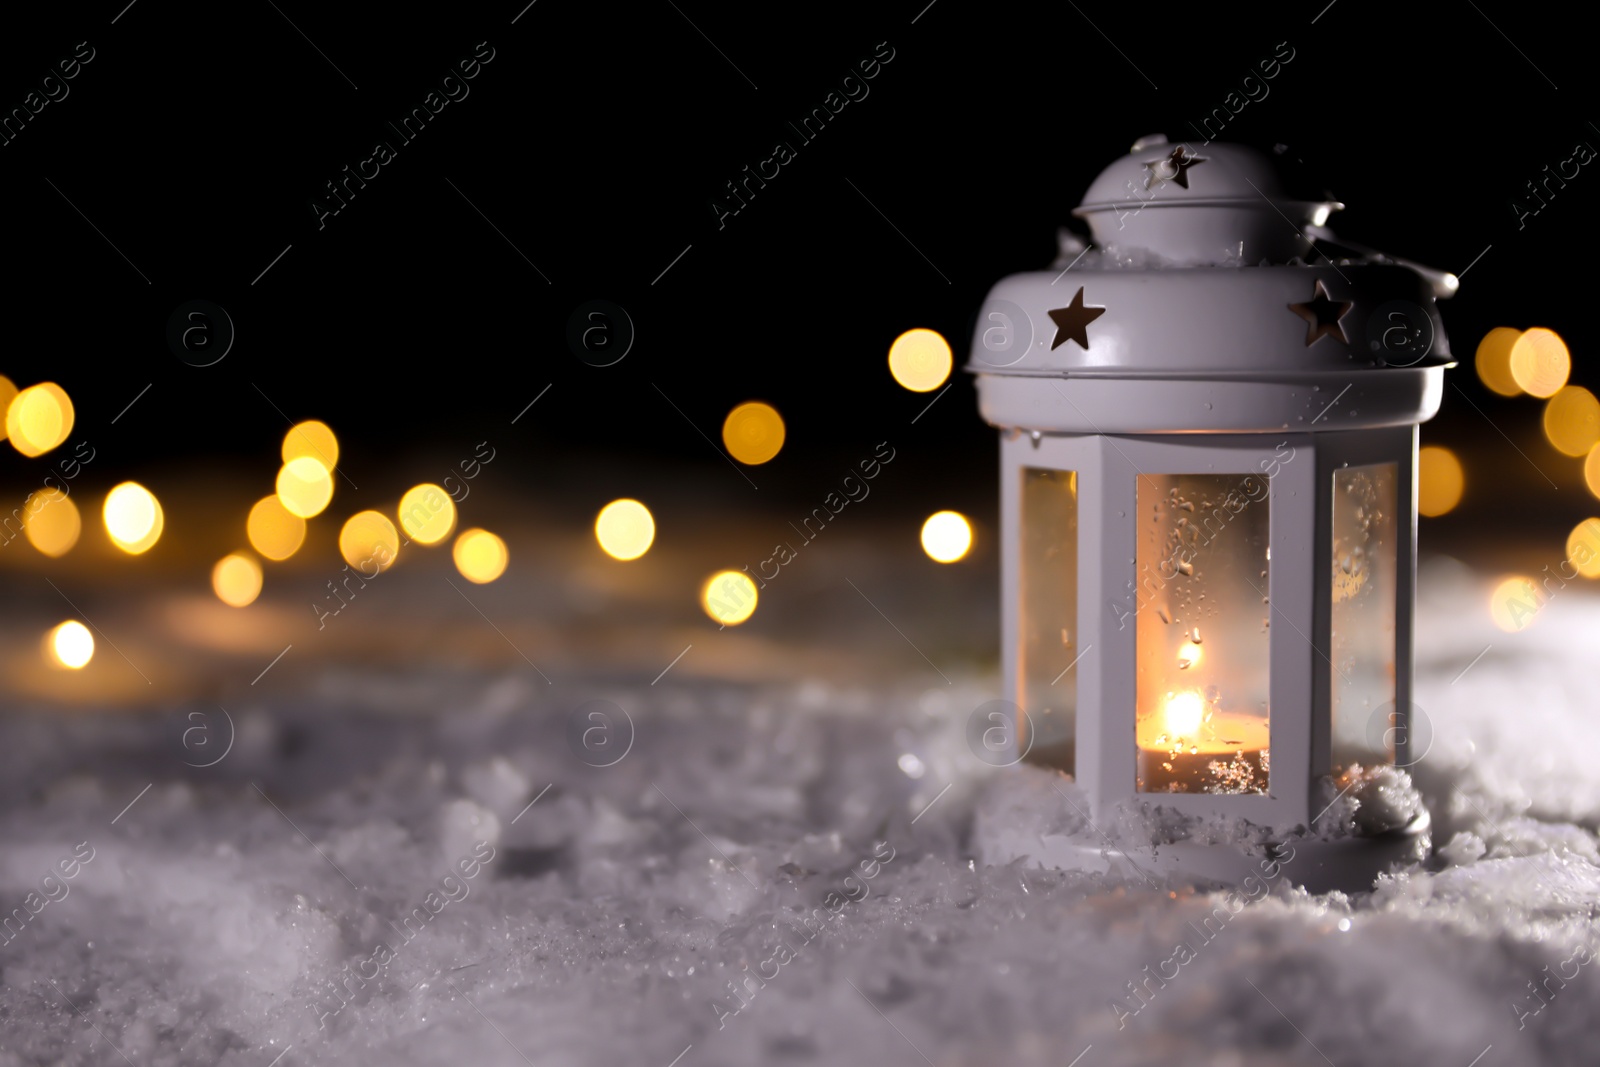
{"type": "Point", "coordinates": [1173, 168]}
{"type": "Point", "coordinates": [1322, 314]}
{"type": "Point", "coordinates": [1073, 320]}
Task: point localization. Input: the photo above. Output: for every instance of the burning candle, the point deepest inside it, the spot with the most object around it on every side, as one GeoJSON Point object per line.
{"type": "Point", "coordinates": [1193, 746]}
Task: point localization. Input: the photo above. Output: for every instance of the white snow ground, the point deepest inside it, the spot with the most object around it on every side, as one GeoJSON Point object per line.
{"type": "Point", "coordinates": [221, 910]}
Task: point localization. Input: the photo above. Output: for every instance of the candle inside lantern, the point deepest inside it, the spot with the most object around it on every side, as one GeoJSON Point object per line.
{"type": "Point", "coordinates": [1192, 746]}
{"type": "Point", "coordinates": [1202, 724]}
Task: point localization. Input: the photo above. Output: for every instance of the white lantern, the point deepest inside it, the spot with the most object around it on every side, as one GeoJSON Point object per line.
{"type": "Point", "coordinates": [1208, 514]}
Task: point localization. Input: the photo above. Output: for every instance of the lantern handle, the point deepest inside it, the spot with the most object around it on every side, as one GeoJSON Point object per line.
{"type": "Point", "coordinates": [1444, 283]}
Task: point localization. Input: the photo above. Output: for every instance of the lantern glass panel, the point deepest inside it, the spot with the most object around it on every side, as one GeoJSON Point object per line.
{"type": "Point", "coordinates": [1365, 545]}
{"type": "Point", "coordinates": [1202, 633]}
{"type": "Point", "coordinates": [1048, 645]}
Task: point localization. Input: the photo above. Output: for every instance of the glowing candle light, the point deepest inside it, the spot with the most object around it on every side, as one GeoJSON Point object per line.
{"type": "Point", "coordinates": [133, 518]}
{"type": "Point", "coordinates": [70, 645]}
{"type": "Point", "coordinates": [304, 486]}
{"type": "Point", "coordinates": [236, 579]}
{"type": "Point", "coordinates": [920, 360]}
{"type": "Point", "coordinates": [625, 529]}
{"type": "Point", "coordinates": [480, 556]}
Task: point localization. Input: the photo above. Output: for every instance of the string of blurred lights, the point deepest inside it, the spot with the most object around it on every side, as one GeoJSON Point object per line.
{"type": "Point", "coordinates": [38, 419]}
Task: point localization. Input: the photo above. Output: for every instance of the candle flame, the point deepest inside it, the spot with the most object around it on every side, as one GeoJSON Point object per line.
{"type": "Point", "coordinates": [1183, 713]}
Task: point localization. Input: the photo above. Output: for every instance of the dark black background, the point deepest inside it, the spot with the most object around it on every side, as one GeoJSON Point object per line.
{"type": "Point", "coordinates": [596, 140]}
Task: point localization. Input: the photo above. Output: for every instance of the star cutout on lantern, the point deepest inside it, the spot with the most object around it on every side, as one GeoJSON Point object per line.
{"type": "Point", "coordinates": [1073, 320]}
{"type": "Point", "coordinates": [1171, 168]}
{"type": "Point", "coordinates": [1322, 314]}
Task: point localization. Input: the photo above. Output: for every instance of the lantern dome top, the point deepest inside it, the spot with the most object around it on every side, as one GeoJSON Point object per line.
{"type": "Point", "coordinates": [1211, 299]}
{"type": "Point", "coordinates": [1213, 204]}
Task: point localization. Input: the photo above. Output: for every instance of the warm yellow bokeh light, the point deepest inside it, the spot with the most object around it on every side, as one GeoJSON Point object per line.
{"type": "Point", "coordinates": [1583, 548]}
{"type": "Point", "coordinates": [920, 360]}
{"type": "Point", "coordinates": [70, 645]}
{"type": "Point", "coordinates": [1493, 361]}
{"type": "Point", "coordinates": [1591, 470]}
{"type": "Point", "coordinates": [304, 486]}
{"type": "Point", "coordinates": [753, 432]}
{"type": "Point", "coordinates": [236, 579]}
{"type": "Point", "coordinates": [8, 393]}
{"type": "Point", "coordinates": [480, 556]}
{"type": "Point", "coordinates": [1514, 603]}
{"type": "Point", "coordinates": [1189, 655]}
{"type": "Point", "coordinates": [946, 536]}
{"type": "Point", "coordinates": [729, 597]}
{"type": "Point", "coordinates": [1572, 420]}
{"type": "Point", "coordinates": [1539, 362]}
{"type": "Point", "coordinates": [427, 514]}
{"type": "Point", "coordinates": [625, 529]}
{"type": "Point", "coordinates": [51, 521]}
{"type": "Point", "coordinates": [274, 531]}
{"type": "Point", "coordinates": [369, 542]}
{"type": "Point", "coordinates": [1440, 480]}
{"type": "Point", "coordinates": [1183, 714]}
{"type": "Point", "coordinates": [39, 418]}
{"type": "Point", "coordinates": [311, 438]}
{"type": "Point", "coordinates": [133, 518]}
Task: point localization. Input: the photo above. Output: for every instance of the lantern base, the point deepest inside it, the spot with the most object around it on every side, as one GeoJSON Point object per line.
{"type": "Point", "coordinates": [1317, 864]}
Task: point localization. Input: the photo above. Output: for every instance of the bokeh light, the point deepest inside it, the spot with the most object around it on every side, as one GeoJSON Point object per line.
{"type": "Point", "coordinates": [920, 360]}
{"type": "Point", "coordinates": [1540, 362]}
{"type": "Point", "coordinates": [51, 522]}
{"type": "Point", "coordinates": [70, 645]}
{"type": "Point", "coordinates": [274, 531]}
{"type": "Point", "coordinates": [133, 518]}
{"type": "Point", "coordinates": [1514, 603]}
{"type": "Point", "coordinates": [729, 597]}
{"type": "Point", "coordinates": [427, 514]}
{"type": "Point", "coordinates": [369, 540]}
{"type": "Point", "coordinates": [1440, 480]}
{"type": "Point", "coordinates": [625, 529]}
{"type": "Point", "coordinates": [236, 579]}
{"type": "Point", "coordinates": [304, 486]}
{"type": "Point", "coordinates": [1493, 361]}
{"type": "Point", "coordinates": [1591, 470]}
{"type": "Point", "coordinates": [39, 418]}
{"type": "Point", "coordinates": [946, 536]}
{"type": "Point", "coordinates": [753, 432]}
{"type": "Point", "coordinates": [8, 393]}
{"type": "Point", "coordinates": [480, 556]}
{"type": "Point", "coordinates": [1572, 420]}
{"type": "Point", "coordinates": [311, 438]}
{"type": "Point", "coordinates": [1583, 547]}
